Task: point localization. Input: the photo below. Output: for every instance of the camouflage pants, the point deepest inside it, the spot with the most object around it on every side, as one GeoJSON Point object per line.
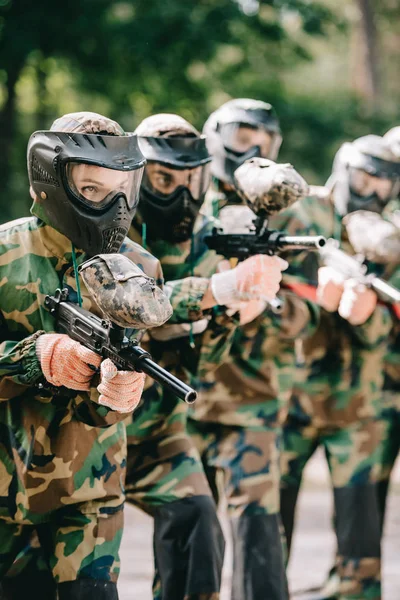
{"type": "Point", "coordinates": [354, 456]}
{"type": "Point", "coordinates": [247, 458]}
{"type": "Point", "coordinates": [165, 478]}
{"type": "Point", "coordinates": [74, 545]}
{"type": "Point", "coordinates": [390, 416]}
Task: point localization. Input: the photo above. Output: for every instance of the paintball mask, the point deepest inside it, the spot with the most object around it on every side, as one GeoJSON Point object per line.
{"type": "Point", "coordinates": [366, 175]}
{"type": "Point", "coordinates": [174, 185]}
{"type": "Point", "coordinates": [239, 130]}
{"type": "Point", "coordinates": [86, 186]}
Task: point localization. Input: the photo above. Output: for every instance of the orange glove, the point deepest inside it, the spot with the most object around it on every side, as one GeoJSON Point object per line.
{"type": "Point", "coordinates": [357, 303]}
{"type": "Point", "coordinates": [256, 278]}
{"type": "Point", "coordinates": [65, 362]}
{"type": "Point", "coordinates": [330, 288]}
{"type": "Point", "coordinates": [119, 390]}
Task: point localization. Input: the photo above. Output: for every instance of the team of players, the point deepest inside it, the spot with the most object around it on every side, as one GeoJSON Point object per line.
{"type": "Point", "coordinates": [273, 386]}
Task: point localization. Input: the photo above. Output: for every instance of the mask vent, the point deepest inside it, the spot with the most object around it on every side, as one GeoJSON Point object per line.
{"type": "Point", "coordinates": [39, 174]}
{"type": "Point", "coordinates": [112, 239]}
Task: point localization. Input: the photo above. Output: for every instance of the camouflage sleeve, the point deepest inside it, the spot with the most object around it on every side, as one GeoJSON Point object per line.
{"type": "Point", "coordinates": [376, 330]}
{"type": "Point", "coordinates": [89, 411]}
{"type": "Point", "coordinates": [186, 296]}
{"type": "Point", "coordinates": [299, 317]}
{"type": "Point", "coordinates": [19, 366]}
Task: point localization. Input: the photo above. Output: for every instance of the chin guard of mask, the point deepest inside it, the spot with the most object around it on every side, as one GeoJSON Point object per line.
{"type": "Point", "coordinates": [173, 222]}
{"type": "Point", "coordinates": [86, 186]}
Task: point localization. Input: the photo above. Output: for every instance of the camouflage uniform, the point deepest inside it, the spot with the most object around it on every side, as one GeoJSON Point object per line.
{"type": "Point", "coordinates": [62, 454]}
{"type": "Point", "coordinates": [336, 403]}
{"type": "Point", "coordinates": [390, 408]}
{"type": "Point", "coordinates": [237, 426]}
{"type": "Point", "coordinates": [164, 470]}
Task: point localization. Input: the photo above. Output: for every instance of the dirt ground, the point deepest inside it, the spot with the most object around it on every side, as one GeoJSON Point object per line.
{"type": "Point", "coordinates": [313, 544]}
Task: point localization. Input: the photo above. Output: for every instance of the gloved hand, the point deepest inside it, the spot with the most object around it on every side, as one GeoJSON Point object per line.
{"type": "Point", "coordinates": [256, 278]}
{"type": "Point", "coordinates": [357, 302]}
{"type": "Point", "coordinates": [330, 288]}
{"type": "Point", "coordinates": [66, 362]}
{"type": "Point", "coordinates": [119, 390]}
{"type": "Point", "coordinates": [251, 310]}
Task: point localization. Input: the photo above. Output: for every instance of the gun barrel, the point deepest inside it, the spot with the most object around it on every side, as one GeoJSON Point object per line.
{"type": "Point", "coordinates": [143, 362]}
{"type": "Point", "coordinates": [301, 242]}
{"type": "Point", "coordinates": [385, 291]}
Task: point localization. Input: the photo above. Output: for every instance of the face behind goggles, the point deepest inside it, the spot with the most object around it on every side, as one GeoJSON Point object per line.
{"type": "Point", "coordinates": [97, 187]}
{"type": "Point", "coordinates": [241, 138]}
{"type": "Point", "coordinates": [366, 185]}
{"type": "Point", "coordinates": [166, 183]}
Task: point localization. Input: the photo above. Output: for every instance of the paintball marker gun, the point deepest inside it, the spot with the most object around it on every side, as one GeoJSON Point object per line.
{"type": "Point", "coordinates": [109, 341]}
{"type": "Point", "coordinates": [267, 188]}
{"type": "Point", "coordinates": [353, 267]}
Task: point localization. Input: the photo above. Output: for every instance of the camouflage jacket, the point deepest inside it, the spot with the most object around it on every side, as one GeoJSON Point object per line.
{"type": "Point", "coordinates": [253, 386]}
{"type": "Point", "coordinates": [392, 358]}
{"type": "Point", "coordinates": [339, 376]}
{"type": "Point", "coordinates": [59, 448]}
{"type": "Point", "coordinates": [193, 342]}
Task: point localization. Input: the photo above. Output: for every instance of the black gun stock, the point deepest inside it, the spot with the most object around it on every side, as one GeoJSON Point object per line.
{"type": "Point", "coordinates": [109, 341]}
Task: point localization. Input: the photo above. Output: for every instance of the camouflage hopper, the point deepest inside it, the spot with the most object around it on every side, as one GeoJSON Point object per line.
{"type": "Point", "coordinates": [268, 187]}
{"type": "Point", "coordinates": [124, 293]}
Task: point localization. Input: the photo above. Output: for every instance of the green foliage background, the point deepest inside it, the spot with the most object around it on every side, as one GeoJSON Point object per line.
{"type": "Point", "coordinates": [128, 59]}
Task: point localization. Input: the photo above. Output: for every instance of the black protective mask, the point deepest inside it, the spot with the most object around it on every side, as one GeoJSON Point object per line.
{"type": "Point", "coordinates": [168, 206]}
{"type": "Point", "coordinates": [347, 200]}
{"type": "Point", "coordinates": [174, 222]}
{"type": "Point", "coordinates": [225, 166]}
{"type": "Point", "coordinates": [94, 215]}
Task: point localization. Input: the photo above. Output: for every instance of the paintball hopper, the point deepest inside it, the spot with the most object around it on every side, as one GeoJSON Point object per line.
{"type": "Point", "coordinates": [124, 294]}
{"type": "Point", "coordinates": [268, 187]}
{"type": "Point", "coordinates": [372, 236]}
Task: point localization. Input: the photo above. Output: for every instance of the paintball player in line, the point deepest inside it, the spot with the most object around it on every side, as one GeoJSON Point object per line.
{"type": "Point", "coordinates": [237, 421]}
{"type": "Point", "coordinates": [337, 396]}
{"type": "Point", "coordinates": [391, 386]}
{"type": "Point", "coordinates": [164, 471]}
{"type": "Point", "coordinates": [377, 237]}
{"type": "Point", "coordinates": [63, 445]}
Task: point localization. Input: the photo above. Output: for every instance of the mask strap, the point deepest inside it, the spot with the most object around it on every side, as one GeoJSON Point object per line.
{"type": "Point", "coordinates": [144, 235]}
{"type": "Point", "coordinates": [78, 285]}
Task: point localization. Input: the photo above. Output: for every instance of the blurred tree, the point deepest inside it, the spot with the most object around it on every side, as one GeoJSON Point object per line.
{"type": "Point", "coordinates": [129, 58]}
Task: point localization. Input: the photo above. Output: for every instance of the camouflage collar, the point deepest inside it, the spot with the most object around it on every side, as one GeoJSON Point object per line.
{"type": "Point", "coordinates": [58, 244]}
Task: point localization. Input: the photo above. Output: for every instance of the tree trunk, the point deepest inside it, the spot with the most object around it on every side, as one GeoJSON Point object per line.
{"type": "Point", "coordinates": [365, 68]}
{"type": "Point", "coordinates": [8, 133]}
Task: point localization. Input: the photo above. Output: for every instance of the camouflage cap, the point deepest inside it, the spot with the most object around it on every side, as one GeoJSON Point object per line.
{"type": "Point", "coordinates": [269, 187]}
{"type": "Point", "coordinates": [372, 236]}
{"type": "Point", "coordinates": [165, 125]}
{"type": "Point", "coordinates": [87, 122]}
{"type": "Point", "coordinates": [124, 293]}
